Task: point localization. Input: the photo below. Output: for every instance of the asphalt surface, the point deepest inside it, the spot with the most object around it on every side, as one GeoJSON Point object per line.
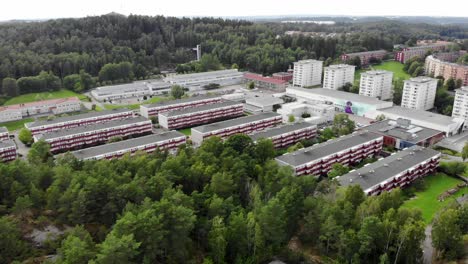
{"type": "Point", "coordinates": [428, 250]}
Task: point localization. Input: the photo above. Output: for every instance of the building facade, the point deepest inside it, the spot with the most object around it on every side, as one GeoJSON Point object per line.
{"type": "Point", "coordinates": [196, 81]}
{"type": "Point", "coordinates": [419, 51]}
{"type": "Point", "coordinates": [92, 135]}
{"type": "Point", "coordinates": [200, 115]}
{"type": "Point", "coordinates": [7, 150]}
{"type": "Point", "coordinates": [284, 76]}
{"type": "Point", "coordinates": [287, 135]}
{"type": "Point", "coordinates": [307, 73]}
{"type": "Point", "coordinates": [337, 76]}
{"type": "Point", "coordinates": [170, 141]}
{"type": "Point", "coordinates": [55, 106]}
{"type": "Point", "coordinates": [4, 134]}
{"type": "Point", "coordinates": [365, 56]}
{"type": "Point", "coordinates": [241, 125]}
{"type": "Point", "coordinates": [376, 84]}
{"type": "Point", "coordinates": [46, 126]}
{"type": "Point", "coordinates": [265, 82]}
{"type": "Point", "coordinates": [138, 89]}
{"type": "Point", "coordinates": [436, 66]}
{"type": "Point", "coordinates": [395, 171]}
{"type": "Point", "coordinates": [460, 105]}
{"type": "Point", "coordinates": [318, 159]}
{"type": "Point", "coordinates": [319, 113]}
{"type": "Point", "coordinates": [151, 110]}
{"type": "Point", "coordinates": [419, 93]}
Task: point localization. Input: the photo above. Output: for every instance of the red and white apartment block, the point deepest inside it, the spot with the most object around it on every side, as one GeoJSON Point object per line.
{"type": "Point", "coordinates": [7, 150]}
{"type": "Point", "coordinates": [81, 137]}
{"type": "Point", "coordinates": [395, 171]}
{"type": "Point", "coordinates": [242, 125]}
{"type": "Point", "coordinates": [154, 109]}
{"type": "Point", "coordinates": [200, 115]}
{"type": "Point", "coordinates": [365, 56]}
{"type": "Point", "coordinates": [68, 122]}
{"type": "Point", "coordinates": [318, 159]}
{"type": "Point", "coordinates": [170, 141]}
{"type": "Point", "coordinates": [287, 135]}
{"type": "Point", "coordinates": [420, 51]}
{"type": "Point", "coordinates": [4, 134]}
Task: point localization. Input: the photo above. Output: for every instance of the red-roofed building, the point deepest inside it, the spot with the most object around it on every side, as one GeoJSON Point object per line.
{"type": "Point", "coordinates": [285, 76]}
{"type": "Point", "coordinates": [265, 82]}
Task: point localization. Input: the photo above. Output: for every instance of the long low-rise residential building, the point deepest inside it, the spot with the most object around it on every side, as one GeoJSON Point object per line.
{"type": "Point", "coordinates": [365, 56]}
{"type": "Point", "coordinates": [200, 115]}
{"type": "Point", "coordinates": [420, 51]}
{"type": "Point", "coordinates": [68, 122]}
{"type": "Point", "coordinates": [265, 82]}
{"type": "Point", "coordinates": [435, 65]}
{"type": "Point", "coordinates": [7, 150]}
{"type": "Point", "coordinates": [4, 133]}
{"type": "Point", "coordinates": [165, 141]}
{"type": "Point", "coordinates": [395, 171]}
{"type": "Point", "coordinates": [287, 135]}
{"type": "Point", "coordinates": [54, 106]}
{"type": "Point", "coordinates": [318, 159]}
{"type": "Point", "coordinates": [131, 90]}
{"type": "Point", "coordinates": [241, 125]}
{"type": "Point", "coordinates": [194, 101]}
{"type": "Point", "coordinates": [196, 81]}
{"type": "Point", "coordinates": [84, 136]}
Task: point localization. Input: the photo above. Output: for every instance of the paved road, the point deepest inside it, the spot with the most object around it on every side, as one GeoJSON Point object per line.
{"type": "Point", "coordinates": [428, 250]}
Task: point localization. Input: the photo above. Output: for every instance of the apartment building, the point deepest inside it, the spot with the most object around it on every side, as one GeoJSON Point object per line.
{"type": "Point", "coordinates": [154, 109]}
{"type": "Point", "coordinates": [284, 136]}
{"type": "Point", "coordinates": [337, 76]}
{"type": "Point", "coordinates": [419, 93]}
{"type": "Point", "coordinates": [170, 141]}
{"type": "Point", "coordinates": [4, 134]}
{"type": "Point", "coordinates": [241, 125]}
{"type": "Point", "coordinates": [460, 105]}
{"type": "Point", "coordinates": [7, 150]}
{"type": "Point", "coordinates": [196, 81]}
{"type": "Point", "coordinates": [199, 115]}
{"type": "Point", "coordinates": [307, 73]}
{"type": "Point", "coordinates": [86, 136]}
{"type": "Point", "coordinates": [261, 81]}
{"type": "Point", "coordinates": [395, 171]}
{"type": "Point", "coordinates": [285, 76]}
{"type": "Point", "coordinates": [419, 51]}
{"type": "Point", "coordinates": [68, 122]}
{"type": "Point", "coordinates": [55, 106]}
{"type": "Point", "coordinates": [376, 84]}
{"type": "Point", "coordinates": [439, 65]}
{"type": "Point", "coordinates": [365, 56]}
{"type": "Point", "coordinates": [318, 159]}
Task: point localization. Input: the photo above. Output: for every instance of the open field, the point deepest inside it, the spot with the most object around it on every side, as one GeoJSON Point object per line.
{"type": "Point", "coordinates": [32, 97]}
{"type": "Point", "coordinates": [393, 66]}
{"type": "Point", "coordinates": [186, 131]}
{"type": "Point", "coordinates": [15, 125]}
{"type": "Point", "coordinates": [427, 201]}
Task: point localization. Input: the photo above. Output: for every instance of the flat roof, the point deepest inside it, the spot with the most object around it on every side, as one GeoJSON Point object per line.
{"type": "Point", "coordinates": [205, 75]}
{"type": "Point", "coordinates": [3, 129]}
{"type": "Point", "coordinates": [307, 61]}
{"type": "Point", "coordinates": [76, 117]}
{"type": "Point", "coordinates": [264, 100]}
{"type": "Point", "coordinates": [365, 52]}
{"type": "Point", "coordinates": [181, 101]}
{"type": "Point", "coordinates": [72, 99]}
{"type": "Point", "coordinates": [125, 144]}
{"type": "Point", "coordinates": [275, 131]}
{"type": "Point", "coordinates": [131, 87]}
{"type": "Point", "coordinates": [412, 133]}
{"type": "Point", "coordinates": [421, 79]}
{"type": "Point", "coordinates": [234, 122]}
{"type": "Point", "coordinates": [7, 143]}
{"type": "Point", "coordinates": [199, 108]}
{"type": "Point", "coordinates": [319, 151]}
{"type": "Point", "coordinates": [94, 127]}
{"type": "Point", "coordinates": [261, 78]}
{"type": "Point", "coordinates": [381, 170]}
{"type": "Point", "coordinates": [376, 72]}
{"type": "Point", "coordinates": [335, 94]}
{"type": "Point", "coordinates": [340, 66]}
{"type": "Point", "coordinates": [420, 115]}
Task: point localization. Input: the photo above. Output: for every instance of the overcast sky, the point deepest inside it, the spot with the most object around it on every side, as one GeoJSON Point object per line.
{"type": "Point", "coordinates": [33, 9]}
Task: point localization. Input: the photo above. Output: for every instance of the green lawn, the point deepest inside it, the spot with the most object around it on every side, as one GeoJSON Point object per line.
{"type": "Point", "coordinates": [15, 125]}
{"type": "Point", "coordinates": [153, 100]}
{"type": "Point", "coordinates": [427, 201]}
{"type": "Point", "coordinates": [32, 97]}
{"type": "Point", "coordinates": [186, 131]}
{"type": "Point", "coordinates": [393, 66]}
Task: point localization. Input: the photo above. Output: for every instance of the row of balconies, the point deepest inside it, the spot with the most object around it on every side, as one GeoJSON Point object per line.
{"type": "Point", "coordinates": [160, 109]}
{"type": "Point", "coordinates": [207, 113]}
{"type": "Point", "coordinates": [197, 120]}
{"type": "Point", "coordinates": [245, 128]}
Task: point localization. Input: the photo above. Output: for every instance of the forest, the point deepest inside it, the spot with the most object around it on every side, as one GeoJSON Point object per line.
{"type": "Point", "coordinates": [225, 202]}
{"type": "Point", "coordinates": [115, 48]}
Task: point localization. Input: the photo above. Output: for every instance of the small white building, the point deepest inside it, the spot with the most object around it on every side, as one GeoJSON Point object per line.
{"type": "Point", "coordinates": [196, 81]}
{"type": "Point", "coordinates": [337, 76]}
{"type": "Point", "coordinates": [138, 89]}
{"type": "Point", "coordinates": [307, 73]}
{"type": "Point", "coordinates": [460, 106]}
{"type": "Point", "coordinates": [376, 84]}
{"type": "Point", "coordinates": [319, 113]}
{"type": "Point", "coordinates": [262, 104]}
{"type": "Point", "coordinates": [419, 93]}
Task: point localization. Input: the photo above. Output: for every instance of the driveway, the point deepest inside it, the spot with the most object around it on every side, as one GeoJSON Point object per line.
{"type": "Point", "coordinates": [428, 250]}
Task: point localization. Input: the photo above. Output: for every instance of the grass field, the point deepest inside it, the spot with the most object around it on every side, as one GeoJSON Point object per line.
{"type": "Point", "coordinates": [427, 201]}
{"type": "Point", "coordinates": [32, 97]}
{"type": "Point", "coordinates": [15, 125]}
{"type": "Point", "coordinates": [135, 106]}
{"type": "Point", "coordinates": [186, 131]}
{"type": "Point", "coordinates": [393, 66]}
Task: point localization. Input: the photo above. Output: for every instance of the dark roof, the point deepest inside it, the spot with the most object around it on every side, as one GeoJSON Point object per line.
{"type": "Point", "coordinates": [181, 101]}
{"type": "Point", "coordinates": [199, 108]}
{"type": "Point", "coordinates": [3, 129]}
{"type": "Point", "coordinates": [234, 122]}
{"type": "Point", "coordinates": [319, 151]}
{"type": "Point", "coordinates": [82, 129]}
{"type": "Point", "coordinates": [126, 144]}
{"type": "Point", "coordinates": [271, 132]}
{"type": "Point", "coordinates": [7, 143]}
{"type": "Point", "coordinates": [76, 117]}
{"type": "Point", "coordinates": [413, 134]}
{"type": "Point", "coordinates": [384, 169]}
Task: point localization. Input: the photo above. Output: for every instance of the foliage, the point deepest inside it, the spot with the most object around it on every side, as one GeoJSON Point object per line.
{"type": "Point", "coordinates": [43, 82]}
{"type": "Point", "coordinates": [342, 125]}
{"type": "Point", "coordinates": [11, 245]}
{"type": "Point", "coordinates": [291, 118]}
{"type": "Point", "coordinates": [337, 169]}
{"type": "Point", "coordinates": [211, 86]}
{"type": "Point", "coordinates": [465, 151]}
{"type": "Point", "coordinates": [25, 136]}
{"type": "Point", "coordinates": [177, 91]}
{"type": "Point", "coordinates": [380, 117]}
{"type": "Point", "coordinates": [447, 234]}
{"type": "Point", "coordinates": [453, 168]}
{"type": "Point", "coordinates": [251, 85]}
